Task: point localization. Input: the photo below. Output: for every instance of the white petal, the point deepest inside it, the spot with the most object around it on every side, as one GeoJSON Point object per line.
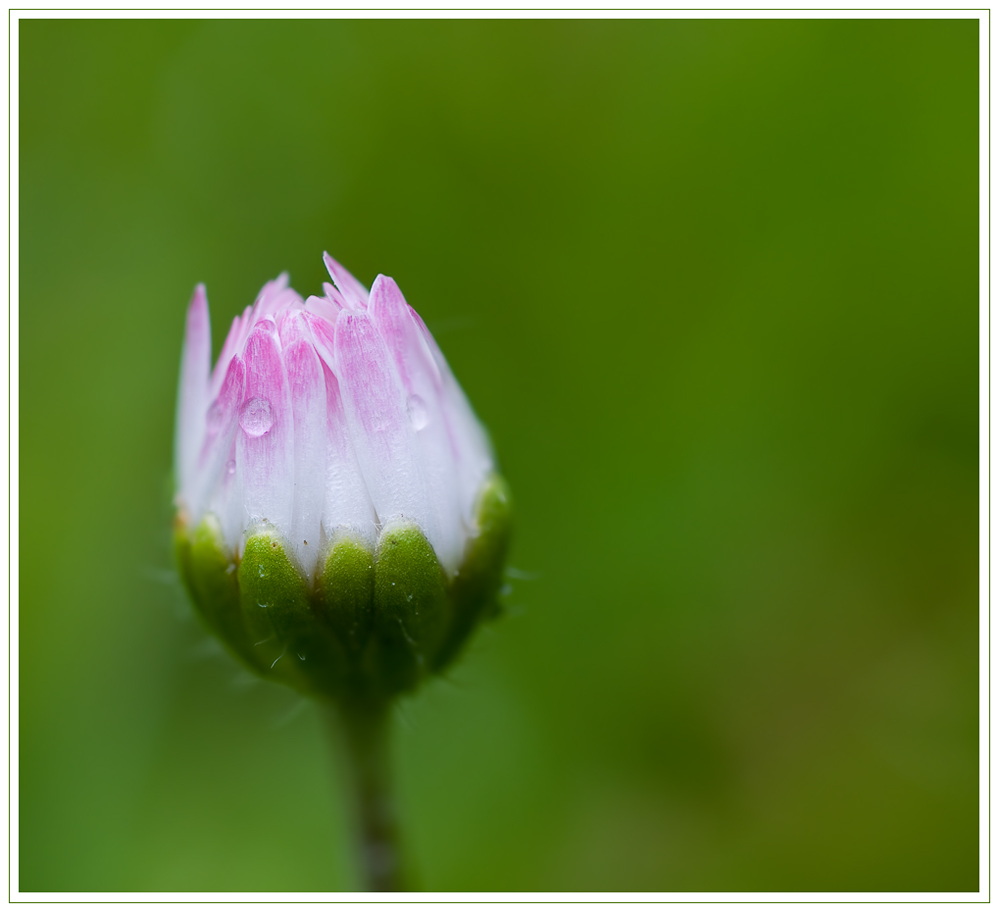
{"type": "Point", "coordinates": [383, 438]}
{"type": "Point", "coordinates": [226, 503]}
{"type": "Point", "coordinates": [425, 407]}
{"type": "Point", "coordinates": [347, 506]}
{"type": "Point", "coordinates": [474, 452]}
{"type": "Point", "coordinates": [220, 435]}
{"type": "Point", "coordinates": [308, 396]}
{"type": "Point", "coordinates": [193, 395]}
{"type": "Point", "coordinates": [264, 444]}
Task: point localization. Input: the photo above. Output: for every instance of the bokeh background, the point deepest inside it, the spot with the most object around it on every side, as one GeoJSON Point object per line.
{"type": "Point", "coordinates": [713, 287]}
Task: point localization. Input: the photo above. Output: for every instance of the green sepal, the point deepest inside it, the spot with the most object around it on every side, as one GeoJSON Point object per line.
{"type": "Point", "coordinates": [345, 590]}
{"type": "Point", "coordinates": [276, 604]}
{"type": "Point", "coordinates": [273, 590]}
{"type": "Point", "coordinates": [473, 590]}
{"type": "Point", "coordinates": [210, 573]}
{"type": "Point", "coordinates": [411, 609]}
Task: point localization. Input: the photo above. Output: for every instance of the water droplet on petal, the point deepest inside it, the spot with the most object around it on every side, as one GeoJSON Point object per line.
{"type": "Point", "coordinates": [231, 467]}
{"type": "Point", "coordinates": [256, 418]}
{"type": "Point", "coordinates": [416, 409]}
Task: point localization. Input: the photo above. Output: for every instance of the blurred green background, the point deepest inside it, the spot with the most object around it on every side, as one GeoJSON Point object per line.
{"type": "Point", "coordinates": [713, 287]}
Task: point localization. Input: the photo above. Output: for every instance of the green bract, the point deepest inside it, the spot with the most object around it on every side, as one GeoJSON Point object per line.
{"type": "Point", "coordinates": [371, 625]}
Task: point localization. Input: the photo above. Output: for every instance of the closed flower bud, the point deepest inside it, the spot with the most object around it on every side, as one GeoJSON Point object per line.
{"type": "Point", "coordinates": [340, 522]}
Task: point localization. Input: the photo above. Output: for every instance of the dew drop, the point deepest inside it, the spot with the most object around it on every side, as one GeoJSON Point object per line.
{"type": "Point", "coordinates": [231, 467]}
{"type": "Point", "coordinates": [255, 416]}
{"type": "Point", "coordinates": [213, 418]}
{"type": "Point", "coordinates": [416, 409]}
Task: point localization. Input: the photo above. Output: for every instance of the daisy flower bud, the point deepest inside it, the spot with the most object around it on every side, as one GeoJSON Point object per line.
{"type": "Point", "coordinates": [341, 525]}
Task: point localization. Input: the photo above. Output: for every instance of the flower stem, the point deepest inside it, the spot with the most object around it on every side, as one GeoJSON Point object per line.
{"type": "Point", "coordinates": [364, 730]}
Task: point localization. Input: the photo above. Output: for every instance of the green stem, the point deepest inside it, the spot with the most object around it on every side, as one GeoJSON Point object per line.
{"type": "Point", "coordinates": [364, 730]}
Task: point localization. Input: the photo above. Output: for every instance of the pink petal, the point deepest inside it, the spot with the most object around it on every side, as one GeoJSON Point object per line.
{"type": "Point", "coordinates": [287, 328]}
{"type": "Point", "coordinates": [270, 290]}
{"type": "Point", "coordinates": [192, 400]}
{"type": "Point", "coordinates": [281, 301]}
{"type": "Point", "coordinates": [324, 338]}
{"type": "Point", "coordinates": [222, 414]}
{"type": "Point", "coordinates": [235, 343]}
{"type": "Point", "coordinates": [375, 413]}
{"type": "Point", "coordinates": [334, 296]}
{"type": "Point", "coordinates": [264, 445]}
{"type": "Point", "coordinates": [266, 325]}
{"type": "Point", "coordinates": [323, 307]}
{"type": "Point", "coordinates": [348, 503]}
{"type": "Point", "coordinates": [355, 294]}
{"type": "Point", "coordinates": [391, 315]}
{"type": "Point", "coordinates": [214, 476]}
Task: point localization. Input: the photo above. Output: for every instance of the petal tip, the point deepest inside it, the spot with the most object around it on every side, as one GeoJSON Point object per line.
{"type": "Point", "coordinates": [385, 288]}
{"type": "Point", "coordinates": [199, 302]}
{"type": "Point", "coordinates": [346, 284]}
